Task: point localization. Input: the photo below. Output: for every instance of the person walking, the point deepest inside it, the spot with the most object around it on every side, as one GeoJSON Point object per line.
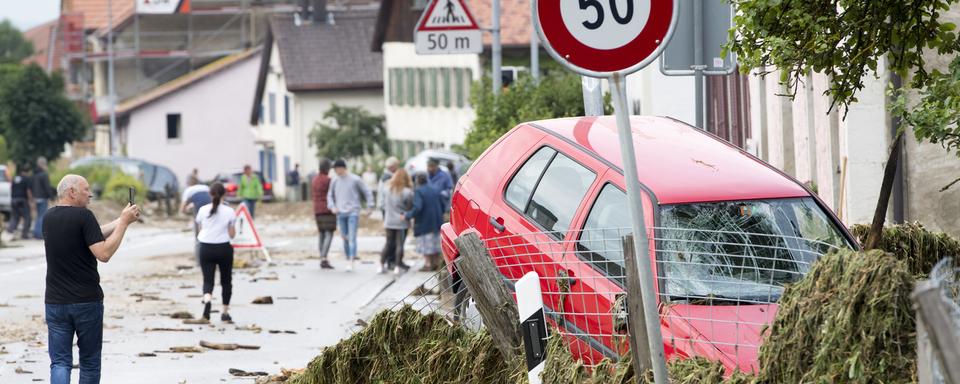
{"type": "Point", "coordinates": [397, 202]}
{"type": "Point", "coordinates": [390, 166]}
{"type": "Point", "coordinates": [427, 215]}
{"type": "Point", "coordinates": [441, 181]}
{"type": "Point", "coordinates": [250, 189]}
{"type": "Point", "coordinates": [216, 230]}
{"type": "Point", "coordinates": [43, 192]}
{"type": "Point", "coordinates": [194, 196]}
{"type": "Point", "coordinates": [20, 197]}
{"type": "Point", "coordinates": [73, 243]}
{"type": "Point", "coordinates": [343, 198]}
{"type": "Point", "coordinates": [326, 220]}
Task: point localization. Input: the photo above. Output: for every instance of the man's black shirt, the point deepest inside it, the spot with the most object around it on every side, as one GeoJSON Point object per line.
{"type": "Point", "coordinates": [72, 277]}
{"type": "Point", "coordinates": [20, 186]}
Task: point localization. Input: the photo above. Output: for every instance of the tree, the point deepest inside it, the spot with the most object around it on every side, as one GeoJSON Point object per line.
{"type": "Point", "coordinates": [845, 39]}
{"type": "Point", "coordinates": [559, 94]}
{"type": "Point", "coordinates": [355, 132]}
{"type": "Point", "coordinates": [36, 119]}
{"type": "Point", "coordinates": [13, 47]}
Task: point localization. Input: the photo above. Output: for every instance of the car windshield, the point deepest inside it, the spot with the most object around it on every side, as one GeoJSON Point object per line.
{"type": "Point", "coordinates": [741, 251]}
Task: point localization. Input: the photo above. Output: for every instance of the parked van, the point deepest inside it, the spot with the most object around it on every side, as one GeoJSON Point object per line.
{"type": "Point", "coordinates": [727, 231]}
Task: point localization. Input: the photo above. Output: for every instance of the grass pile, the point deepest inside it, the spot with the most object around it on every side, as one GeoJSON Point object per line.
{"type": "Point", "coordinates": [406, 346]}
{"type": "Point", "coordinates": [911, 242]}
{"type": "Point", "coordinates": [849, 320]}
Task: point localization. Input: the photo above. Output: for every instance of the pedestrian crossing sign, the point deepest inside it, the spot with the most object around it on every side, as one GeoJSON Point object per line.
{"type": "Point", "coordinates": [246, 232]}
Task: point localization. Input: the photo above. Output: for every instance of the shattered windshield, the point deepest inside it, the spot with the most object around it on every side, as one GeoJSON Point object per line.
{"type": "Point", "coordinates": [740, 251]}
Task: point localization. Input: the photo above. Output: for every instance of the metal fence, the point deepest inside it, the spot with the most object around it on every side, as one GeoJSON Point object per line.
{"type": "Point", "coordinates": [716, 290]}
{"type": "Point", "coordinates": [938, 327]}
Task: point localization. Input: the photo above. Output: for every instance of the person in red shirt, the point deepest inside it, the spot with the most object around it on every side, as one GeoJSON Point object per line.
{"type": "Point", "coordinates": [326, 220]}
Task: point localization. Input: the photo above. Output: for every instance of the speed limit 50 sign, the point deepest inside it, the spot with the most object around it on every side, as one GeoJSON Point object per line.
{"type": "Point", "coordinates": [600, 37]}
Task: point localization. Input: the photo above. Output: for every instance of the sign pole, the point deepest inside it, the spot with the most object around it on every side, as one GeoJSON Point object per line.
{"type": "Point", "coordinates": [641, 244]}
{"type": "Point", "coordinates": [497, 78]}
{"type": "Point", "coordinates": [698, 66]}
{"type": "Point", "coordinates": [592, 96]}
{"type": "Point", "coordinates": [534, 49]}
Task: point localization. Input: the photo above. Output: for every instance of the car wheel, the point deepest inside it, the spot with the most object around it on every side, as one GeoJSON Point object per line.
{"type": "Point", "coordinates": [465, 310]}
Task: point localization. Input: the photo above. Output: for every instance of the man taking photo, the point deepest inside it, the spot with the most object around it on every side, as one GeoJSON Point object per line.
{"type": "Point", "coordinates": [74, 242]}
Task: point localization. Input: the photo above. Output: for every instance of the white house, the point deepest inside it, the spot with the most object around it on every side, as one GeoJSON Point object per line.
{"type": "Point", "coordinates": [427, 98]}
{"type": "Point", "coordinates": [308, 65]}
{"type": "Point", "coordinates": [192, 121]}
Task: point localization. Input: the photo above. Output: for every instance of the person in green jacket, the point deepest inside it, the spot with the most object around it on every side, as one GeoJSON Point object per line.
{"type": "Point", "coordinates": [251, 189]}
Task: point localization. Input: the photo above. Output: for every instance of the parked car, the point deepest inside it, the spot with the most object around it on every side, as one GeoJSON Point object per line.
{"type": "Point", "coordinates": [556, 189]}
{"type": "Point", "coordinates": [159, 180]}
{"type": "Point", "coordinates": [418, 163]}
{"type": "Point", "coordinates": [231, 182]}
{"type": "Point", "coordinates": [5, 199]}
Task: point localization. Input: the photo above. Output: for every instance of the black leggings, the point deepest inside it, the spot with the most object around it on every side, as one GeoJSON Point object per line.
{"type": "Point", "coordinates": [211, 257]}
{"type": "Point", "coordinates": [392, 253]}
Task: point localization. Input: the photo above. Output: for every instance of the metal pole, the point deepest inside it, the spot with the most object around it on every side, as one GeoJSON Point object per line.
{"type": "Point", "coordinates": [640, 242]}
{"type": "Point", "coordinates": [497, 79]}
{"type": "Point", "coordinates": [592, 96]}
{"type": "Point", "coordinates": [111, 91]}
{"type": "Point", "coordinates": [698, 59]}
{"type": "Point", "coordinates": [534, 48]}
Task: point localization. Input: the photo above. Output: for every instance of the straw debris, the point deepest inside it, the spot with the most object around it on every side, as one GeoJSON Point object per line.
{"type": "Point", "coordinates": [911, 242]}
{"type": "Point", "coordinates": [849, 320]}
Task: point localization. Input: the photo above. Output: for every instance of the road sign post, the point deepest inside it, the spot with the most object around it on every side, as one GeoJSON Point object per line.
{"type": "Point", "coordinates": [447, 27]}
{"type": "Point", "coordinates": [610, 39]}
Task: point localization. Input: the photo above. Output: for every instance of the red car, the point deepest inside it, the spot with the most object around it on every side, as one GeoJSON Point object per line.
{"type": "Point", "coordinates": [727, 231]}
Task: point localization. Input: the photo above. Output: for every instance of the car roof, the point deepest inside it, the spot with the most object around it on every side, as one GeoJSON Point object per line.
{"type": "Point", "coordinates": [677, 162]}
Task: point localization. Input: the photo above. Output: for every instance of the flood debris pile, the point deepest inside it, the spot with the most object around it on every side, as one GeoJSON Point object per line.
{"type": "Point", "coordinates": [849, 320]}
{"type": "Point", "coordinates": [919, 247]}
{"type": "Point", "coordinates": [406, 346]}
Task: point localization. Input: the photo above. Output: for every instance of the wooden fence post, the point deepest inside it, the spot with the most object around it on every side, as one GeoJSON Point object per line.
{"type": "Point", "coordinates": [494, 302]}
{"type": "Point", "coordinates": [639, 344]}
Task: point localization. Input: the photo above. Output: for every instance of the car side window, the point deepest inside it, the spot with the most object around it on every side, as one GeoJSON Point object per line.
{"type": "Point", "coordinates": [558, 194]}
{"type": "Point", "coordinates": [601, 241]}
{"type": "Point", "coordinates": [522, 184]}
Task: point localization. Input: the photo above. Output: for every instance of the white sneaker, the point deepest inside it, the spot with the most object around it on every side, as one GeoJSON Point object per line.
{"type": "Point", "coordinates": [382, 269]}
{"type": "Point", "coordinates": [397, 270]}
{"type": "Point", "coordinates": [350, 266]}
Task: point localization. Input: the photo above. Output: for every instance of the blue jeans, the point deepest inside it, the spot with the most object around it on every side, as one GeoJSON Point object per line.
{"type": "Point", "coordinates": [251, 206]}
{"type": "Point", "coordinates": [38, 227]}
{"type": "Point", "coordinates": [347, 223]}
{"type": "Point", "coordinates": [86, 321]}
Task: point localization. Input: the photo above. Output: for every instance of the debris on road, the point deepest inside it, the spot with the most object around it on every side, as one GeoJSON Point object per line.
{"type": "Point", "coordinates": [263, 300]}
{"type": "Point", "coordinates": [22, 371]}
{"type": "Point", "coordinates": [190, 349]}
{"type": "Point", "coordinates": [181, 315]}
{"type": "Point", "coordinates": [146, 354]}
{"type": "Point", "coordinates": [276, 331]}
{"type": "Point", "coordinates": [253, 328]}
{"type": "Point", "coordinates": [287, 298]}
{"type": "Point", "coordinates": [242, 373]}
{"type": "Point", "coordinates": [167, 330]}
{"type": "Point", "coordinates": [196, 321]}
{"type": "Point", "coordinates": [227, 347]}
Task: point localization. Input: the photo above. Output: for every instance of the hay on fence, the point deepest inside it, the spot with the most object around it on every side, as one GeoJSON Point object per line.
{"type": "Point", "coordinates": [406, 346]}
{"type": "Point", "coordinates": [919, 247]}
{"type": "Point", "coordinates": [849, 320]}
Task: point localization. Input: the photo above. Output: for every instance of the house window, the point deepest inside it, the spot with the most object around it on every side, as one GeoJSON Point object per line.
{"type": "Point", "coordinates": [458, 86]}
{"type": "Point", "coordinates": [286, 110]}
{"type": "Point", "coordinates": [394, 86]}
{"type": "Point", "coordinates": [445, 75]}
{"type": "Point", "coordinates": [173, 126]}
{"type": "Point", "coordinates": [433, 89]}
{"type": "Point", "coordinates": [273, 108]}
{"type": "Point", "coordinates": [409, 87]}
{"type": "Point", "coordinates": [422, 87]}
{"type": "Point", "coordinates": [467, 83]}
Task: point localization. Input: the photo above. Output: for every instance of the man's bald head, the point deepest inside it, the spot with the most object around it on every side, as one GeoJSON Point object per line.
{"type": "Point", "coordinates": [73, 190]}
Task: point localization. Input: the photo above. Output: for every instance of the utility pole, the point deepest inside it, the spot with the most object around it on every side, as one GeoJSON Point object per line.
{"type": "Point", "coordinates": [497, 78]}
{"type": "Point", "coordinates": [534, 48]}
{"type": "Point", "coordinates": [111, 91]}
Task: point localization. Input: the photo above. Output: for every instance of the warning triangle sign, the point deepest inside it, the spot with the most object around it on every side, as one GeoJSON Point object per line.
{"type": "Point", "coordinates": [247, 236]}
{"type": "Point", "coordinates": [447, 15]}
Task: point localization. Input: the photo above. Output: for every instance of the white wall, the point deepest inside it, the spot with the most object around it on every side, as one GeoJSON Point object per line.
{"type": "Point", "coordinates": [662, 95]}
{"type": "Point", "coordinates": [446, 125]}
{"type": "Point", "coordinates": [215, 130]}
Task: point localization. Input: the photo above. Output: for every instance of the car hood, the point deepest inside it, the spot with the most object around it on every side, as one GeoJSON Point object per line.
{"type": "Point", "coordinates": [730, 334]}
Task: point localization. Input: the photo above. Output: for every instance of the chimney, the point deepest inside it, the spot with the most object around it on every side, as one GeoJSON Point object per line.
{"type": "Point", "coordinates": [319, 14]}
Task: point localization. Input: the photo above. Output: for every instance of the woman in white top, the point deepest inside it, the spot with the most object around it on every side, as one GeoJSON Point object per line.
{"type": "Point", "coordinates": [216, 229]}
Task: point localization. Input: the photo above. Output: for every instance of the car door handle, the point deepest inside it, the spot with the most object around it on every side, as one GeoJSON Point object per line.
{"type": "Point", "coordinates": [497, 224]}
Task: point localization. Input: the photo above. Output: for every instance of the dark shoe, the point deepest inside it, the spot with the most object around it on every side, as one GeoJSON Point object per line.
{"type": "Point", "coordinates": [403, 266]}
{"type": "Point", "coordinates": [206, 310]}
{"type": "Point", "coordinates": [325, 265]}
{"type": "Point", "coordinates": [226, 318]}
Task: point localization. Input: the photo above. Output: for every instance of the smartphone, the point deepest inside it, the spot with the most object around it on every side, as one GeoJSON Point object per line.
{"type": "Point", "coordinates": [133, 192]}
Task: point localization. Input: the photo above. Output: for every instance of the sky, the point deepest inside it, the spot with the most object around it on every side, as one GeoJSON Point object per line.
{"type": "Point", "coordinates": [26, 14]}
